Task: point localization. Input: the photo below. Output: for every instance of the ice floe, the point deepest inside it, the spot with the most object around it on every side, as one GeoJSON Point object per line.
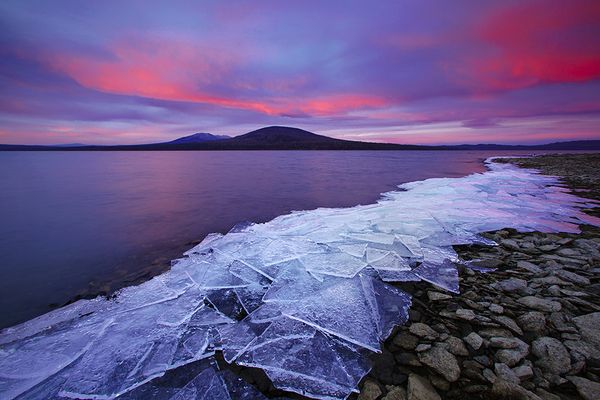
{"type": "Point", "coordinates": [306, 297]}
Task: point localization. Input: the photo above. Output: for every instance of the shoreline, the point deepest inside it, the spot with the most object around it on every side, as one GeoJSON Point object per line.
{"type": "Point", "coordinates": [528, 330]}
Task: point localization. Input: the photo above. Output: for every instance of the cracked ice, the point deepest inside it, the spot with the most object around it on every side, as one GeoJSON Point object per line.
{"type": "Point", "coordinates": [306, 297]}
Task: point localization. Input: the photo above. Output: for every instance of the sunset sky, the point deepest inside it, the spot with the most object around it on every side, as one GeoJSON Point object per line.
{"type": "Point", "coordinates": [420, 71]}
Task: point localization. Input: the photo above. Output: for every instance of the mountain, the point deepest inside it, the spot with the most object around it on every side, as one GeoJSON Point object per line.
{"type": "Point", "coordinates": [288, 138]}
{"type": "Point", "coordinates": [198, 138]}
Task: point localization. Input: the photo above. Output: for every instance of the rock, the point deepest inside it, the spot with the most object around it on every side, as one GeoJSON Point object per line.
{"type": "Point", "coordinates": [419, 388]}
{"type": "Point", "coordinates": [423, 347]}
{"type": "Point", "coordinates": [439, 383]}
{"type": "Point", "coordinates": [474, 340]}
{"type": "Point", "coordinates": [495, 332]}
{"type": "Point", "coordinates": [546, 395]}
{"type": "Point", "coordinates": [504, 342]}
{"type": "Point", "coordinates": [554, 290]}
{"type": "Point", "coordinates": [370, 390]}
{"type": "Point", "coordinates": [553, 356]}
{"type": "Point", "coordinates": [512, 285]}
{"type": "Point", "coordinates": [526, 265]}
{"type": "Point", "coordinates": [395, 393]}
{"type": "Point", "coordinates": [405, 341]}
{"type": "Point", "coordinates": [589, 327]}
{"type": "Point", "coordinates": [423, 331]}
{"type": "Point", "coordinates": [510, 243]}
{"type": "Point", "coordinates": [409, 359]}
{"type": "Point", "coordinates": [587, 389]}
{"type": "Point", "coordinates": [513, 351]}
{"type": "Point", "coordinates": [507, 390]}
{"type": "Point", "coordinates": [504, 372]}
{"type": "Point", "coordinates": [489, 375]}
{"type": "Point", "coordinates": [508, 322]}
{"type": "Point", "coordinates": [523, 372]}
{"type": "Point", "coordinates": [456, 346]}
{"type": "Point", "coordinates": [540, 304]}
{"type": "Point", "coordinates": [437, 296]}
{"type": "Point", "coordinates": [465, 313]}
{"type": "Point", "coordinates": [496, 309]}
{"type": "Point", "coordinates": [533, 321]}
{"type": "Point", "coordinates": [442, 362]}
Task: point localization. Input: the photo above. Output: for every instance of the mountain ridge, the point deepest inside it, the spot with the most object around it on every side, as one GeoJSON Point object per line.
{"type": "Point", "coordinates": [290, 138]}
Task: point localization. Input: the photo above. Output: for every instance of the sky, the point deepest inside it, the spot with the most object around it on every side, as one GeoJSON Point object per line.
{"type": "Point", "coordinates": [400, 71]}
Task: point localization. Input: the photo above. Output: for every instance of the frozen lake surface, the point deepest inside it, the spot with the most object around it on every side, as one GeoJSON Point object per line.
{"type": "Point", "coordinates": [306, 297]}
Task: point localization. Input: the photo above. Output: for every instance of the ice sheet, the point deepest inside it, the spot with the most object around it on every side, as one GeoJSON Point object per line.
{"type": "Point", "coordinates": [306, 297]}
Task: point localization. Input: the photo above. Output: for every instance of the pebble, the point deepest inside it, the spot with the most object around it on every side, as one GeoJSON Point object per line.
{"type": "Point", "coordinates": [466, 314]}
{"type": "Point", "coordinates": [437, 296]}
{"type": "Point", "coordinates": [540, 304]}
{"type": "Point", "coordinates": [474, 340]}
{"type": "Point", "coordinates": [573, 277]}
{"type": "Point", "coordinates": [587, 389]}
{"type": "Point", "coordinates": [524, 372]}
{"type": "Point", "coordinates": [419, 388]}
{"type": "Point", "coordinates": [395, 393]}
{"type": "Point", "coordinates": [495, 308]}
{"type": "Point", "coordinates": [442, 362]}
{"type": "Point", "coordinates": [552, 356]}
{"type": "Point", "coordinates": [504, 372]}
{"type": "Point", "coordinates": [526, 265]}
{"type": "Point", "coordinates": [423, 331]}
{"type": "Point", "coordinates": [370, 390]}
{"type": "Point", "coordinates": [423, 347]}
{"type": "Point", "coordinates": [456, 346]}
{"type": "Point", "coordinates": [533, 321]}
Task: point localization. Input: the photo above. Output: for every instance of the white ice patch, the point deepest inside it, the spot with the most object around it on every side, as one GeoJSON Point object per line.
{"type": "Point", "coordinates": [303, 297]}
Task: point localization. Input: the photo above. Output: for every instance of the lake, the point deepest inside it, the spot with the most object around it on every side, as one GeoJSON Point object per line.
{"type": "Point", "coordinates": [80, 223]}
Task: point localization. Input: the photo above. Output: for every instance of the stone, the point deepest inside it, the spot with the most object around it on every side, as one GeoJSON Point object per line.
{"type": "Point", "coordinates": [474, 340]}
{"type": "Point", "coordinates": [442, 362]}
{"type": "Point", "coordinates": [540, 304]}
{"type": "Point", "coordinates": [408, 359]}
{"type": "Point", "coordinates": [510, 243]}
{"type": "Point", "coordinates": [554, 290]}
{"type": "Point", "coordinates": [456, 346]}
{"type": "Point", "coordinates": [587, 389]}
{"type": "Point", "coordinates": [489, 375]}
{"type": "Point", "coordinates": [437, 296]}
{"type": "Point", "coordinates": [423, 331]}
{"type": "Point", "coordinates": [533, 321]}
{"type": "Point", "coordinates": [589, 327]}
{"type": "Point", "coordinates": [507, 390]}
{"type": "Point", "coordinates": [526, 265]}
{"type": "Point", "coordinates": [423, 347]}
{"type": "Point", "coordinates": [439, 383]}
{"type": "Point", "coordinates": [546, 395]}
{"type": "Point", "coordinates": [465, 313]}
{"type": "Point", "coordinates": [553, 356]}
{"type": "Point", "coordinates": [523, 372]}
{"type": "Point", "coordinates": [512, 355]}
{"type": "Point", "coordinates": [496, 309]}
{"type": "Point", "coordinates": [395, 393]}
{"type": "Point", "coordinates": [504, 372]}
{"type": "Point", "coordinates": [419, 388]}
{"type": "Point", "coordinates": [405, 341]}
{"type": "Point", "coordinates": [370, 390]}
{"type": "Point", "coordinates": [508, 322]}
{"type": "Point", "coordinates": [512, 285]}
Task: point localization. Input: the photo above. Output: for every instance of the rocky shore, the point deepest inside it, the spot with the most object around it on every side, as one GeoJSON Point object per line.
{"type": "Point", "coordinates": [528, 330]}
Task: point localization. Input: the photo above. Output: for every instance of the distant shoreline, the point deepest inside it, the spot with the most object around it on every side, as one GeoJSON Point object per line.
{"type": "Point", "coordinates": [279, 138]}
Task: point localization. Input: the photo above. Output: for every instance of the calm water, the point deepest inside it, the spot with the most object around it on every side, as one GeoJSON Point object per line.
{"type": "Point", "coordinates": [80, 222]}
